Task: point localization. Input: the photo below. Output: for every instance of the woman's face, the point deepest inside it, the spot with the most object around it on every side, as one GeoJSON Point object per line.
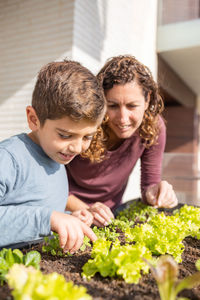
{"type": "Point", "coordinates": [126, 107]}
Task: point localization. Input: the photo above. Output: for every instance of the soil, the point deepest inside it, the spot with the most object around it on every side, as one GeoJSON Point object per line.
{"type": "Point", "coordinates": [108, 289]}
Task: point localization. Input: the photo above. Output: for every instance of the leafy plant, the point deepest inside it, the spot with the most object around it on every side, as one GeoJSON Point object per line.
{"type": "Point", "coordinates": [108, 232]}
{"type": "Point", "coordinates": [52, 246]}
{"type": "Point", "coordinates": [113, 259]}
{"type": "Point", "coordinates": [137, 211]}
{"type": "Point", "coordinates": [190, 216]}
{"type": "Point", "coordinates": [166, 276]}
{"type": "Point", "coordinates": [161, 235]}
{"type": "Point", "coordinates": [31, 284]}
{"type": "Point", "coordinates": [10, 257]}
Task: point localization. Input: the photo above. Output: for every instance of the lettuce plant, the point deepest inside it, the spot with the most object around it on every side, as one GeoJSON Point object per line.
{"type": "Point", "coordinates": [108, 232]}
{"type": "Point", "coordinates": [190, 216]}
{"type": "Point", "coordinates": [28, 283]}
{"type": "Point", "coordinates": [52, 246]}
{"type": "Point", "coordinates": [10, 257]}
{"type": "Point", "coordinates": [137, 211]}
{"type": "Point", "coordinates": [161, 235]}
{"type": "Point", "coordinates": [113, 259]}
{"type": "Point", "coordinates": [166, 276]}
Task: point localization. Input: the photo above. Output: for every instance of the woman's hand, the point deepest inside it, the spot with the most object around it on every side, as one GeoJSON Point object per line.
{"type": "Point", "coordinates": [161, 195]}
{"type": "Point", "coordinates": [84, 215]}
{"type": "Point", "coordinates": [101, 213]}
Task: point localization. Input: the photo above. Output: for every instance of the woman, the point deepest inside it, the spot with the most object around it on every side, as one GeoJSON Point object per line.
{"type": "Point", "coordinates": [133, 129]}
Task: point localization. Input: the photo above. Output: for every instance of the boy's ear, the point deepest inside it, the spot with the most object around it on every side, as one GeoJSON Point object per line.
{"type": "Point", "coordinates": [32, 118]}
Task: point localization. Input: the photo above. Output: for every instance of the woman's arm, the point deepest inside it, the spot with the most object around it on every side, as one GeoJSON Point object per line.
{"type": "Point", "coordinates": [155, 191]}
{"type": "Point", "coordinates": [101, 213]}
{"type": "Point", "coordinates": [75, 203]}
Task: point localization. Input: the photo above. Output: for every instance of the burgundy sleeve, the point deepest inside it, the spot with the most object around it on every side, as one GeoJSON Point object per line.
{"type": "Point", "coordinates": [151, 161]}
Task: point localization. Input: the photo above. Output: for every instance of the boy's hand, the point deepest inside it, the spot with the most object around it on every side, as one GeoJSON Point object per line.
{"type": "Point", "coordinates": [101, 213]}
{"type": "Point", "coordinates": [84, 215]}
{"type": "Point", "coordinates": [71, 231]}
{"type": "Point", "coordinates": [161, 195]}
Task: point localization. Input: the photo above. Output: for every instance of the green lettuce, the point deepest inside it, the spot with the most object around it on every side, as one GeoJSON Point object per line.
{"type": "Point", "coordinates": [9, 257]}
{"type": "Point", "coordinates": [28, 283]}
{"type": "Point", "coordinates": [113, 259]}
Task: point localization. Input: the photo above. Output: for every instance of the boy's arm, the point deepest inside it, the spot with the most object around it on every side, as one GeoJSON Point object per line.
{"type": "Point", "coordinates": [18, 222]}
{"type": "Point", "coordinates": [22, 223]}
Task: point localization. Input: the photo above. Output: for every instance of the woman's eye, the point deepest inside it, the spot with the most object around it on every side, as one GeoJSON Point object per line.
{"type": "Point", "coordinates": [132, 106]}
{"type": "Point", "coordinates": [112, 106]}
{"type": "Point", "coordinates": [89, 137]}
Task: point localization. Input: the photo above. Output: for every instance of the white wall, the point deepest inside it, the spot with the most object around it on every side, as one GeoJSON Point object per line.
{"type": "Point", "coordinates": [131, 29]}
{"type": "Point", "coordinates": [32, 34]}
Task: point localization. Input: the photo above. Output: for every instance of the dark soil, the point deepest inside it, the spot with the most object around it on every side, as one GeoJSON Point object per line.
{"type": "Point", "coordinates": [109, 289]}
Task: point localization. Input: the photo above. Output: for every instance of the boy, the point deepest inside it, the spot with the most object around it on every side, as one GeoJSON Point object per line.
{"type": "Point", "coordinates": [68, 105]}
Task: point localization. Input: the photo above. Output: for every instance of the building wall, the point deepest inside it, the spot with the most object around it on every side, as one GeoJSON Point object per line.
{"type": "Point", "coordinates": [131, 29]}
{"type": "Point", "coordinates": [171, 12]}
{"type": "Point", "coordinates": [32, 34]}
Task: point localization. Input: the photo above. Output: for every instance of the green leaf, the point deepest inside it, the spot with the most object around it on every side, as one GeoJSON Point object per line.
{"type": "Point", "coordinates": [188, 282]}
{"type": "Point", "coordinates": [18, 256]}
{"type": "Point", "coordinates": [9, 257]}
{"type": "Point", "coordinates": [32, 258]}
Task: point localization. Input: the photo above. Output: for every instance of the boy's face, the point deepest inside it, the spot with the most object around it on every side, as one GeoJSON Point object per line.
{"type": "Point", "coordinates": [61, 139]}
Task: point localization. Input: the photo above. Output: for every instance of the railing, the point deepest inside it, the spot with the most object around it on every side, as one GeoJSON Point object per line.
{"type": "Point", "coordinates": [173, 11]}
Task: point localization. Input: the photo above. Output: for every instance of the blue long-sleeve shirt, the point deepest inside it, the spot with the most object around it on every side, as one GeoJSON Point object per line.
{"type": "Point", "coordinates": [32, 185]}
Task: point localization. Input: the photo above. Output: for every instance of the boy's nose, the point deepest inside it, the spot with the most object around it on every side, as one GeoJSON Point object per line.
{"type": "Point", "coordinates": [76, 147]}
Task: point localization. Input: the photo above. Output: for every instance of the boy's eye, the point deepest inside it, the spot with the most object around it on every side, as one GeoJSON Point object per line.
{"type": "Point", "coordinates": [64, 136]}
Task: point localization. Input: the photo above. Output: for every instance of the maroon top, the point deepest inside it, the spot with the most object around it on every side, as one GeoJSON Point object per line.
{"type": "Point", "coordinates": [106, 181]}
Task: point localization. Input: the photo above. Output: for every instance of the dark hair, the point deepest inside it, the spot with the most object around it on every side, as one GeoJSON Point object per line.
{"type": "Point", "coordinates": [67, 89]}
{"type": "Point", "coordinates": [126, 68]}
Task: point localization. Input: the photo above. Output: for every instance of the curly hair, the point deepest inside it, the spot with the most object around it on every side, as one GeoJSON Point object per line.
{"type": "Point", "coordinates": [96, 151]}
{"type": "Point", "coordinates": [124, 69]}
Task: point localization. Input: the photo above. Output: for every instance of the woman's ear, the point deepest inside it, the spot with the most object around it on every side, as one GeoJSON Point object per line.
{"type": "Point", "coordinates": [32, 118]}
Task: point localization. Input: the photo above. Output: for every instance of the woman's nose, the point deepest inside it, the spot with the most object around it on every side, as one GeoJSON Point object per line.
{"type": "Point", "coordinates": [123, 114]}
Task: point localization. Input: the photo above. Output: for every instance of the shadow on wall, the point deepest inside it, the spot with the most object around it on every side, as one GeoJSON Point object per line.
{"type": "Point", "coordinates": [90, 26]}
{"type": "Point", "coordinates": [34, 33]}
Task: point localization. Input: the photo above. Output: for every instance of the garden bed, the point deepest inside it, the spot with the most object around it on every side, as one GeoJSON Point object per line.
{"type": "Point", "coordinates": [114, 288]}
